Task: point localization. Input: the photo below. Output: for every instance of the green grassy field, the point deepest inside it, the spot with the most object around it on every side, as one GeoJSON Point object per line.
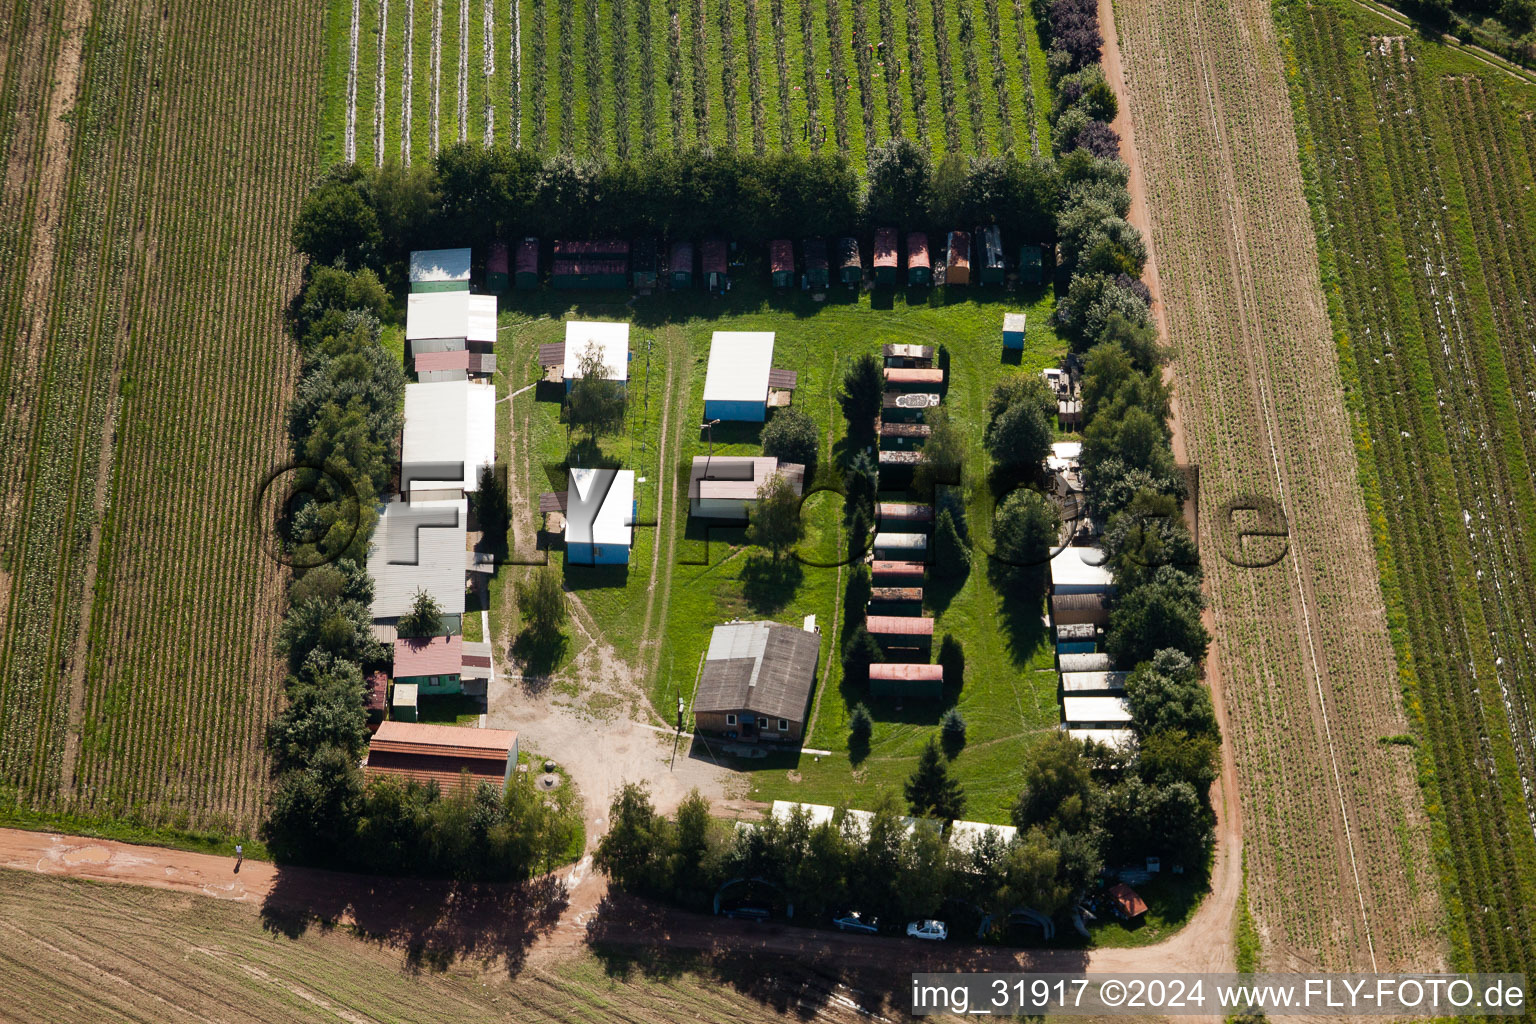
{"type": "Point", "coordinates": [659, 620]}
{"type": "Point", "coordinates": [621, 78]}
{"type": "Point", "coordinates": [1420, 167]}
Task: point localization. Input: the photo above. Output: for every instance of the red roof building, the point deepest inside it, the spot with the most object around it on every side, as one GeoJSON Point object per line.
{"type": "Point", "coordinates": [894, 670]}
{"type": "Point", "coordinates": [899, 625]}
{"type": "Point", "coordinates": [441, 753]}
{"type": "Point", "coordinates": [883, 569]}
{"type": "Point", "coordinates": [905, 376]}
{"type": "Point", "coordinates": [1124, 901]}
{"type": "Point", "coordinates": [429, 656]}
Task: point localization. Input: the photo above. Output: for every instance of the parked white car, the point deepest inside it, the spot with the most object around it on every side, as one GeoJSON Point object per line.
{"type": "Point", "coordinates": [936, 931]}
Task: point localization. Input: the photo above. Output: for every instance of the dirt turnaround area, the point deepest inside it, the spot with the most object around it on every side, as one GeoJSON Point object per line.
{"type": "Point", "coordinates": [1335, 835]}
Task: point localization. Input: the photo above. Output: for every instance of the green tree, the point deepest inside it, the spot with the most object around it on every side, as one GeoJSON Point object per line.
{"type": "Point", "coordinates": [1059, 791]}
{"type": "Point", "coordinates": [1164, 612]}
{"type": "Point", "coordinates": [637, 844]}
{"type": "Point", "coordinates": [340, 627]}
{"type": "Point", "coordinates": [951, 555]}
{"type": "Point", "coordinates": [790, 436]}
{"type": "Point", "coordinates": [776, 523]}
{"type": "Point", "coordinates": [1027, 877]}
{"type": "Point", "coordinates": [315, 809]}
{"type": "Point", "coordinates": [952, 728]}
{"type": "Point", "coordinates": [337, 223]}
{"type": "Point", "coordinates": [1165, 695]}
{"type": "Point", "coordinates": [425, 618]}
{"type": "Point", "coordinates": [322, 712]}
{"type": "Point", "coordinates": [1173, 755]}
{"type": "Point", "coordinates": [541, 602]}
{"type": "Point", "coordinates": [860, 724]}
{"type": "Point", "coordinates": [900, 179]}
{"type": "Point", "coordinates": [1145, 536]}
{"type": "Point", "coordinates": [693, 844]}
{"type": "Point", "coordinates": [943, 455]}
{"type": "Point", "coordinates": [863, 387]}
{"type": "Point", "coordinates": [333, 289]}
{"type": "Point", "coordinates": [1024, 529]}
{"type": "Point", "coordinates": [1137, 440]}
{"type": "Point", "coordinates": [595, 402]}
{"type": "Point", "coordinates": [931, 791]}
{"type": "Point", "coordinates": [862, 478]}
{"type": "Point", "coordinates": [490, 505]}
{"type": "Point", "coordinates": [1020, 430]}
{"type": "Point", "coordinates": [860, 651]}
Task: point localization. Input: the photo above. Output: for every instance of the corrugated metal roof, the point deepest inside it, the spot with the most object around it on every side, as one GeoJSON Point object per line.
{"type": "Point", "coordinates": [1013, 322]}
{"type": "Point", "coordinates": [959, 249]}
{"type": "Point", "coordinates": [448, 424]}
{"type": "Point", "coordinates": [738, 476]}
{"type": "Point", "coordinates": [429, 656]}
{"type": "Point", "coordinates": [917, 249]}
{"type": "Point", "coordinates": [964, 835]}
{"type": "Point", "coordinates": [882, 567]}
{"type": "Point", "coordinates": [906, 351]}
{"type": "Point", "coordinates": [528, 255]}
{"type": "Point", "coordinates": [815, 250]}
{"type": "Point", "coordinates": [895, 594]}
{"type": "Point", "coordinates": [781, 256]}
{"type": "Point", "coordinates": [712, 254]}
{"type": "Point", "coordinates": [739, 366]}
{"type": "Point", "coordinates": [783, 380]}
{"type": "Point", "coordinates": [848, 252]}
{"type": "Point", "coordinates": [611, 338]}
{"type": "Point", "coordinates": [1072, 568]}
{"type": "Point", "coordinates": [819, 814]}
{"type": "Point", "coordinates": [885, 247]}
{"type": "Point", "coordinates": [1117, 739]}
{"type": "Point", "coordinates": [592, 247]}
{"type": "Point", "coordinates": [418, 547]}
{"type": "Point", "coordinates": [1096, 662]}
{"type": "Point", "coordinates": [440, 265]}
{"type": "Point", "coordinates": [552, 354]}
{"type": "Point", "coordinates": [1093, 710]}
{"type": "Point", "coordinates": [1087, 682]}
{"type": "Point", "coordinates": [913, 375]}
{"type": "Point", "coordinates": [899, 625]}
{"type": "Point", "coordinates": [904, 511]}
{"type": "Point", "coordinates": [901, 541]}
{"type": "Point", "coordinates": [552, 501]}
{"type": "Point", "coordinates": [467, 742]}
{"type": "Point", "coordinates": [905, 670]}
{"type": "Point", "coordinates": [457, 360]}
{"type": "Point", "coordinates": [496, 261]}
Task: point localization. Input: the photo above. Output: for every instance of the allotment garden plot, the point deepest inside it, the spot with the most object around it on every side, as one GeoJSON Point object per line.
{"type": "Point", "coordinates": [618, 79]}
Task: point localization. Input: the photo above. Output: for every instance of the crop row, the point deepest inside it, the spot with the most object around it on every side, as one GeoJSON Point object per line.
{"type": "Point", "coordinates": [1419, 325]}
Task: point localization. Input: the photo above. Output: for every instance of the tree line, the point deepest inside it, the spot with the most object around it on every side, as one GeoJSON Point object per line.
{"type": "Point", "coordinates": [470, 195]}
{"type": "Point", "coordinates": [344, 426]}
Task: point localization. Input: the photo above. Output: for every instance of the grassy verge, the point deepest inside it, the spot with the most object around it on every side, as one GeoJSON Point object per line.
{"type": "Point", "coordinates": [126, 830]}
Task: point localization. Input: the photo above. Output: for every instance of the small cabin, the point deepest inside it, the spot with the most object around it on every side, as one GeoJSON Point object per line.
{"type": "Point", "coordinates": [906, 406]}
{"type": "Point", "coordinates": [989, 254]}
{"type": "Point", "coordinates": [886, 259]}
{"type": "Point", "coordinates": [919, 267]}
{"type": "Point", "coordinates": [781, 262]}
{"type": "Point", "coordinates": [680, 265]}
{"type": "Point", "coordinates": [1032, 264]}
{"type": "Point", "coordinates": [644, 260]}
{"type": "Point", "coordinates": [850, 265]}
{"type": "Point", "coordinates": [913, 378]}
{"type": "Point", "coordinates": [957, 262]}
{"type": "Point", "coordinates": [896, 572]}
{"type": "Point", "coordinates": [906, 680]}
{"type": "Point", "coordinates": [439, 270]}
{"type": "Point", "coordinates": [526, 268]}
{"type": "Point", "coordinates": [897, 436]}
{"type": "Point", "coordinates": [815, 253]}
{"type": "Point", "coordinates": [496, 266]}
{"type": "Point", "coordinates": [902, 633]}
{"type": "Point", "coordinates": [1013, 331]}
{"type": "Point", "coordinates": [901, 547]}
{"type": "Point", "coordinates": [712, 254]}
{"type": "Point", "coordinates": [903, 515]}
{"type": "Point", "coordinates": [599, 264]}
{"type": "Point", "coordinates": [918, 356]}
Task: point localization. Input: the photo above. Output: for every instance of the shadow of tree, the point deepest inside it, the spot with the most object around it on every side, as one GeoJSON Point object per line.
{"type": "Point", "coordinates": [539, 655]}
{"type": "Point", "coordinates": [434, 923]}
{"type": "Point", "coordinates": [768, 583]}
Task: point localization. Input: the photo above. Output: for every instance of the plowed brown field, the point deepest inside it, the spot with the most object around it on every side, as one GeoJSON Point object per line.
{"type": "Point", "coordinates": [1335, 834]}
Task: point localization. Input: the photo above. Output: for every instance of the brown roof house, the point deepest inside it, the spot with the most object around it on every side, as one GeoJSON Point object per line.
{"type": "Point", "coordinates": [757, 681]}
{"type": "Point", "coordinates": [441, 754]}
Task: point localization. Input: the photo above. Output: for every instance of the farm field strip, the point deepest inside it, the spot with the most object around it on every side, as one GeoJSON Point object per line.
{"type": "Point", "coordinates": [1311, 681]}
{"type": "Point", "coordinates": [163, 388]}
{"type": "Point", "coordinates": [592, 80]}
{"type": "Point", "coordinates": [1442, 386]}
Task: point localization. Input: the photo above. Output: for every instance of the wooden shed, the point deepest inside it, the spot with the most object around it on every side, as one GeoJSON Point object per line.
{"type": "Point", "coordinates": [850, 265]}
{"type": "Point", "coordinates": [712, 256]}
{"type": "Point", "coordinates": [886, 258]}
{"type": "Point", "coordinates": [919, 267]}
{"type": "Point", "coordinates": [814, 251]}
{"type": "Point", "coordinates": [644, 262]}
{"type": "Point", "coordinates": [913, 378]}
{"type": "Point", "coordinates": [1013, 331]}
{"type": "Point", "coordinates": [781, 262]}
{"type": "Point", "coordinates": [989, 254]}
{"type": "Point", "coordinates": [602, 263]}
{"type": "Point", "coordinates": [526, 270]}
{"type": "Point", "coordinates": [957, 262]}
{"type": "Point", "coordinates": [496, 266]}
{"type": "Point", "coordinates": [903, 436]}
{"type": "Point", "coordinates": [680, 265]}
{"type": "Point", "coordinates": [898, 679]}
{"type": "Point", "coordinates": [1032, 264]}
{"type": "Point", "coordinates": [894, 573]}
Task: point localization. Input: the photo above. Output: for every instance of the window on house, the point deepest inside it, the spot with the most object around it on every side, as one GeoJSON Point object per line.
{"type": "Point", "coordinates": [783, 725]}
{"type": "Point", "coordinates": [730, 719]}
{"type": "Point", "coordinates": [762, 723]}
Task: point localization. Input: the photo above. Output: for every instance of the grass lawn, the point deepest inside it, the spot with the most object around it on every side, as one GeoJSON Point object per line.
{"type": "Point", "coordinates": [704, 577]}
{"type": "Point", "coordinates": [449, 709]}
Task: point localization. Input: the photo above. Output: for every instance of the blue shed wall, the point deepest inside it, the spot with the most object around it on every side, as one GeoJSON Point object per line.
{"type": "Point", "coordinates": [741, 412]}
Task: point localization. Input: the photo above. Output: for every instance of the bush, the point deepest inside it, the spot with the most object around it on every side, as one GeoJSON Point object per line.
{"type": "Point", "coordinates": [952, 727]}
{"type": "Point", "coordinates": [1024, 529]}
{"type": "Point", "coordinates": [860, 724]}
{"type": "Point", "coordinates": [423, 620]}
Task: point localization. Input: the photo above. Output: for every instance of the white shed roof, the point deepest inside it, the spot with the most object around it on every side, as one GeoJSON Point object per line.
{"type": "Point", "coordinates": [1092, 710]}
{"type": "Point", "coordinates": [448, 423]}
{"type": "Point", "coordinates": [860, 822]}
{"type": "Point", "coordinates": [1120, 739]}
{"type": "Point", "coordinates": [611, 338]}
{"type": "Point", "coordinates": [450, 315]}
{"type": "Point", "coordinates": [739, 362]}
{"type": "Point", "coordinates": [1013, 322]}
{"type": "Point", "coordinates": [964, 834]}
{"type": "Point", "coordinates": [418, 547]}
{"type": "Point", "coordinates": [1080, 682]}
{"type": "Point", "coordinates": [819, 813]}
{"type": "Point", "coordinates": [1081, 570]}
{"type": "Point", "coordinates": [600, 506]}
{"type": "Point", "coordinates": [440, 265]}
